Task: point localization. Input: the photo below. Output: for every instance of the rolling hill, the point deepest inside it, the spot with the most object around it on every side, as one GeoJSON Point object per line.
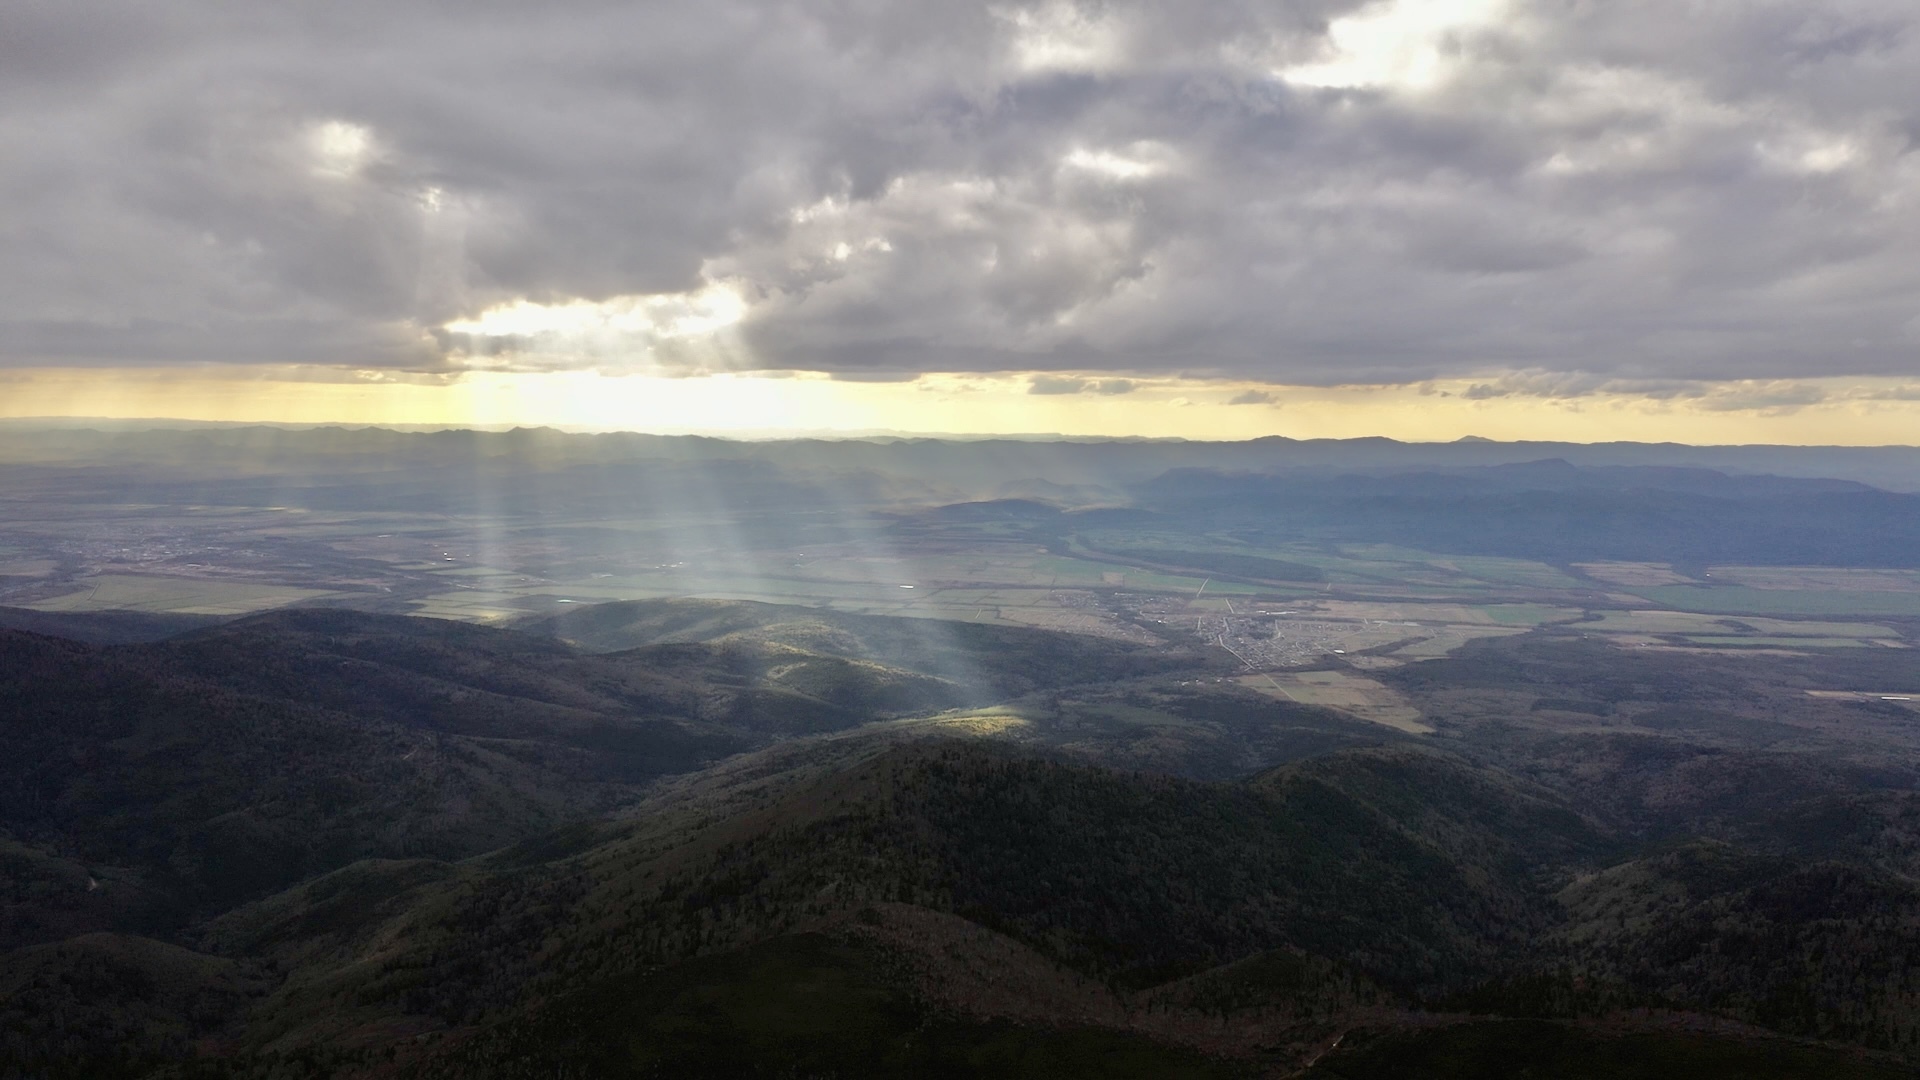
{"type": "Point", "coordinates": [685, 838]}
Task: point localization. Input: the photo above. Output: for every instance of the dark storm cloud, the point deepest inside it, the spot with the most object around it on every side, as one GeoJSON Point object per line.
{"type": "Point", "coordinates": [1622, 191]}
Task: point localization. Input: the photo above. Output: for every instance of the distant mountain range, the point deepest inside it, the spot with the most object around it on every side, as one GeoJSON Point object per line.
{"type": "Point", "coordinates": [941, 470]}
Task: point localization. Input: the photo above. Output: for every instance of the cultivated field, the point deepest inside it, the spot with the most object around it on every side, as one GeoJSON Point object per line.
{"type": "Point", "coordinates": [126, 592]}
{"type": "Point", "coordinates": [1372, 605]}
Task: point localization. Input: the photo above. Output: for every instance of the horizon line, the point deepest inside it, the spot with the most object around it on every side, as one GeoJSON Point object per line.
{"type": "Point", "coordinates": [100, 423]}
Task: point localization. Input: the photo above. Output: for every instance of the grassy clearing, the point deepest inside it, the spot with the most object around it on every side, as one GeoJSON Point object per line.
{"type": "Point", "coordinates": [174, 595]}
{"type": "Point", "coordinates": [1000, 720]}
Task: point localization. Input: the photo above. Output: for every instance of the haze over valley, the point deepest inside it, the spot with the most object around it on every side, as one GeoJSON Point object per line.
{"type": "Point", "coordinates": [358, 752]}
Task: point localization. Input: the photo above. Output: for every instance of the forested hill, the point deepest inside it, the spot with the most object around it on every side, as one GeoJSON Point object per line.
{"type": "Point", "coordinates": [940, 905]}
{"type": "Point", "coordinates": [754, 840]}
{"type": "Point", "coordinates": [251, 754]}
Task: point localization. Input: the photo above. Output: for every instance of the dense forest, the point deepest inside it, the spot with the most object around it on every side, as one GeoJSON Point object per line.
{"type": "Point", "coordinates": [703, 838]}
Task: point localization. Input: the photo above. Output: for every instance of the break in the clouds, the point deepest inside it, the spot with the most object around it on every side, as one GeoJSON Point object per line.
{"type": "Point", "coordinates": [1318, 191]}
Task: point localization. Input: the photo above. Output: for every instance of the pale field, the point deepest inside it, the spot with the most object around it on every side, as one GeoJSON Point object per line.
{"type": "Point", "coordinates": [869, 569]}
{"type": "Point", "coordinates": [1784, 642]}
{"type": "Point", "coordinates": [1003, 598]}
{"type": "Point", "coordinates": [478, 572]}
{"type": "Point", "coordinates": [1371, 565]}
{"type": "Point", "coordinates": [1498, 571]}
{"type": "Point", "coordinates": [1681, 622]}
{"type": "Point", "coordinates": [1372, 637]}
{"type": "Point", "coordinates": [1653, 622]}
{"type": "Point", "coordinates": [1745, 599]}
{"type": "Point", "coordinates": [1375, 663]}
{"type": "Point", "coordinates": [1027, 569]}
{"type": "Point", "coordinates": [1004, 607]}
{"type": "Point", "coordinates": [1142, 581]}
{"type": "Point", "coordinates": [782, 590]}
{"type": "Point", "coordinates": [1709, 650]}
{"type": "Point", "coordinates": [1633, 573]}
{"type": "Point", "coordinates": [1072, 621]}
{"type": "Point", "coordinates": [1819, 578]}
{"type": "Point", "coordinates": [1355, 695]}
{"type": "Point", "coordinates": [1001, 721]}
{"type": "Point", "coordinates": [176, 595]}
{"type": "Point", "coordinates": [1448, 614]}
{"type": "Point", "coordinates": [1387, 562]}
{"type": "Point", "coordinates": [1909, 700]}
{"type": "Point", "coordinates": [1797, 628]}
{"type": "Point", "coordinates": [28, 568]}
{"type": "Point", "coordinates": [957, 613]}
{"type": "Point", "coordinates": [1400, 592]}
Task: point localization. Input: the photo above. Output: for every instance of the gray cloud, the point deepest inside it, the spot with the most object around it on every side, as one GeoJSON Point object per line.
{"type": "Point", "coordinates": [1060, 384]}
{"type": "Point", "coordinates": [1585, 195]}
{"type": "Point", "coordinates": [1050, 384]}
{"type": "Point", "coordinates": [1253, 397]}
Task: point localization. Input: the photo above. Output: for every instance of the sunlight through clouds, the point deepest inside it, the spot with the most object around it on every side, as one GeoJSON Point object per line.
{"type": "Point", "coordinates": [339, 148]}
{"type": "Point", "coordinates": [1397, 44]}
{"type": "Point", "coordinates": [1143, 160]}
{"type": "Point", "coordinates": [1539, 405]}
{"type": "Point", "coordinates": [684, 331]}
{"type": "Point", "coordinates": [1305, 194]}
{"type": "Point", "coordinates": [1062, 37]}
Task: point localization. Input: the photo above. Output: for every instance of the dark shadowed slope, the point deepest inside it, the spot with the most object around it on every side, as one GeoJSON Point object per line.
{"type": "Point", "coordinates": [252, 754]}
{"type": "Point", "coordinates": [946, 886]}
{"type": "Point", "coordinates": [104, 627]}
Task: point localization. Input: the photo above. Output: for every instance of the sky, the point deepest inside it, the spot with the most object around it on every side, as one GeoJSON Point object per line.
{"type": "Point", "coordinates": [1692, 220]}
